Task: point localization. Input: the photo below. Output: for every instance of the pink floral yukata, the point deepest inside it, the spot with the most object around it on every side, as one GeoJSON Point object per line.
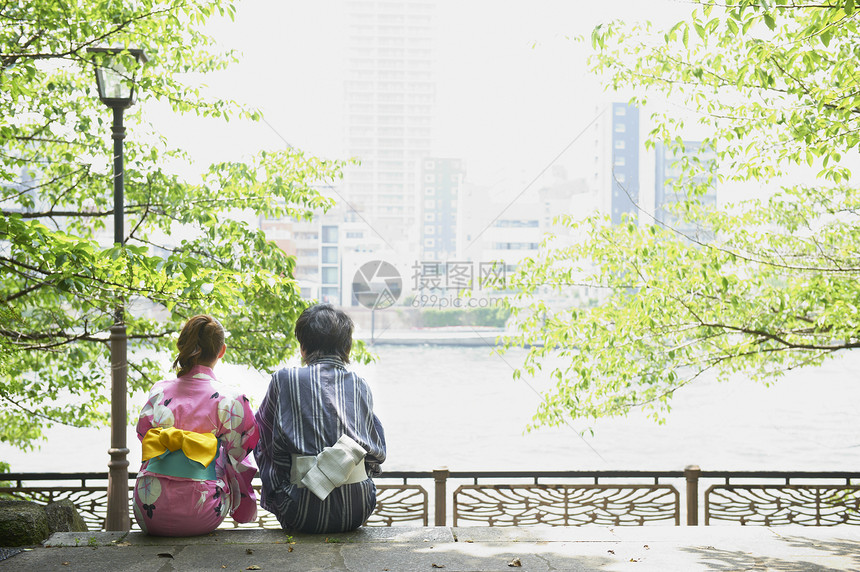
{"type": "Point", "coordinates": [181, 506]}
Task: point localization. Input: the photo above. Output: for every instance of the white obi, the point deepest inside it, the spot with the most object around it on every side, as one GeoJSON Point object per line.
{"type": "Point", "coordinates": [340, 464]}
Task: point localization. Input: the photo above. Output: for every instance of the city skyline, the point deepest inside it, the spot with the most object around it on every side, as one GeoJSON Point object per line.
{"type": "Point", "coordinates": [512, 86]}
{"type": "Point", "coordinates": [395, 84]}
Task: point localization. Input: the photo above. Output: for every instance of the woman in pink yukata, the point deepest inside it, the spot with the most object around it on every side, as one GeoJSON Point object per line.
{"type": "Point", "coordinates": [197, 437]}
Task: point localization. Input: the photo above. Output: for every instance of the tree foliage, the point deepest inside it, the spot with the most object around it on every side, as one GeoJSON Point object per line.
{"type": "Point", "coordinates": [60, 273]}
{"type": "Point", "coordinates": [776, 85]}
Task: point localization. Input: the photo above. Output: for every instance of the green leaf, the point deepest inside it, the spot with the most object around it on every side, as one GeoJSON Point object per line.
{"type": "Point", "coordinates": [749, 288]}
{"type": "Point", "coordinates": [732, 26]}
{"type": "Point", "coordinates": [186, 254]}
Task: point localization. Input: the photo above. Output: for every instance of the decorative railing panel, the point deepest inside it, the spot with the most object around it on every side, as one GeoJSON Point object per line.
{"type": "Point", "coordinates": [556, 498]}
{"type": "Point", "coordinates": [400, 504]}
{"type": "Point", "coordinates": [774, 505]}
{"type": "Point", "coordinates": [566, 505]}
{"type": "Point", "coordinates": [396, 504]}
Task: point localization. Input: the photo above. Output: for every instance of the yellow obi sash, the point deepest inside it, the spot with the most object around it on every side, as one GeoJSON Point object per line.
{"type": "Point", "coordinates": [177, 453]}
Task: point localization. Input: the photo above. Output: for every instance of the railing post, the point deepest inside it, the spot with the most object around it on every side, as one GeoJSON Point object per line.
{"type": "Point", "coordinates": [692, 473]}
{"type": "Point", "coordinates": [440, 476]}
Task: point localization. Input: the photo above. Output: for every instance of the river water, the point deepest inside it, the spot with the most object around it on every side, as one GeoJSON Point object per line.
{"type": "Point", "coordinates": [459, 407]}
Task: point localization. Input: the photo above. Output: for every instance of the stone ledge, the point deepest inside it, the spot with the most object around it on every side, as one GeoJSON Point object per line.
{"type": "Point", "coordinates": [476, 534]}
{"type": "Point", "coordinates": [461, 549]}
{"type": "Point", "coordinates": [366, 535]}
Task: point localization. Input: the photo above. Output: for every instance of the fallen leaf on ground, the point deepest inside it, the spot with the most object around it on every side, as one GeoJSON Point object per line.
{"type": "Point", "coordinates": [515, 563]}
{"type": "Point", "coordinates": [253, 567]}
{"type": "Point", "coordinates": [437, 565]}
{"type": "Point", "coordinates": [66, 563]}
{"type": "Point", "coordinates": [611, 551]}
{"type": "Point", "coordinates": [248, 551]}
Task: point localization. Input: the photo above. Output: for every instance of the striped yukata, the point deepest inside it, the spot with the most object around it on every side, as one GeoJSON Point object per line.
{"type": "Point", "coordinates": [305, 410]}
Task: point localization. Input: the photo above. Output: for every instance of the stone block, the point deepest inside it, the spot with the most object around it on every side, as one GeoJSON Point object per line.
{"type": "Point", "coordinates": [64, 517]}
{"type": "Point", "coordinates": [22, 523]}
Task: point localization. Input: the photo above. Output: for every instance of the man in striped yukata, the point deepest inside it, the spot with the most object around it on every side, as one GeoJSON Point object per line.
{"type": "Point", "coordinates": [320, 442]}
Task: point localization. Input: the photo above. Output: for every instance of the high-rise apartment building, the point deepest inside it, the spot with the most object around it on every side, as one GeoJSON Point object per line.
{"type": "Point", "coordinates": [616, 161]}
{"type": "Point", "coordinates": [389, 97]}
{"type": "Point", "coordinates": [441, 180]}
{"type": "Point", "coordinates": [670, 189]}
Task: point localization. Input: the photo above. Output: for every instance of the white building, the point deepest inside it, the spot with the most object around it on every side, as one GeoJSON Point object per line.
{"type": "Point", "coordinates": [390, 98]}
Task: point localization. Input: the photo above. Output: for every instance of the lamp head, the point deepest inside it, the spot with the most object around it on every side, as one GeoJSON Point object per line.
{"type": "Point", "coordinates": [115, 82]}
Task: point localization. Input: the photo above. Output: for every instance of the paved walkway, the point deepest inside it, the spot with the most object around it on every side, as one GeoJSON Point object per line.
{"type": "Point", "coordinates": [649, 548]}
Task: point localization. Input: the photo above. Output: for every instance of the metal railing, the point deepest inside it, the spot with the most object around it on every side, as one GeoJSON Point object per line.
{"type": "Point", "coordinates": [552, 498]}
{"type": "Point", "coordinates": [782, 498]}
{"type": "Point", "coordinates": [560, 498]}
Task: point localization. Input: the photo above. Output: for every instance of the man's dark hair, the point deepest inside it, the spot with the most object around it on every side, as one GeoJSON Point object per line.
{"type": "Point", "coordinates": [323, 330]}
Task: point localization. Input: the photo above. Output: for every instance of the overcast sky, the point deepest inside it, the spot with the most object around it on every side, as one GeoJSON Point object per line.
{"type": "Point", "coordinates": [512, 86]}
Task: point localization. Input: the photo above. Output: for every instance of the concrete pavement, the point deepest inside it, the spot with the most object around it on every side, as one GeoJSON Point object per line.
{"type": "Point", "coordinates": [647, 548]}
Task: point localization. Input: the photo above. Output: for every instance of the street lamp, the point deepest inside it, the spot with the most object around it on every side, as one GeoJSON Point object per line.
{"type": "Point", "coordinates": [117, 91]}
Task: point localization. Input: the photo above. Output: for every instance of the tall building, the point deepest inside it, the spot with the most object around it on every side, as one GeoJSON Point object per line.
{"type": "Point", "coordinates": [497, 244]}
{"type": "Point", "coordinates": [669, 189]}
{"type": "Point", "coordinates": [330, 268]}
{"type": "Point", "coordinates": [389, 97]}
{"type": "Point", "coordinates": [301, 239]}
{"type": "Point", "coordinates": [441, 180]}
{"type": "Point", "coordinates": [616, 168]}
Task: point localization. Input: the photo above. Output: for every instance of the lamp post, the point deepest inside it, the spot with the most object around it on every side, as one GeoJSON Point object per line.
{"type": "Point", "coordinates": [116, 90]}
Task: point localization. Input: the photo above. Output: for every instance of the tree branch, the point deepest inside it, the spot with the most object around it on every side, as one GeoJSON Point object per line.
{"type": "Point", "coordinates": [17, 404]}
{"type": "Point", "coordinates": [10, 58]}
